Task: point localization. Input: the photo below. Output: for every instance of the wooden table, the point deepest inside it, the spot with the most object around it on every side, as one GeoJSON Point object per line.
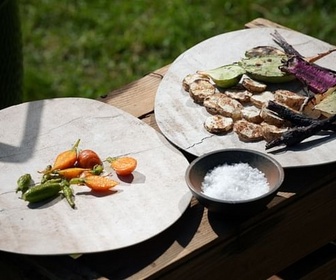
{"type": "Point", "coordinates": [297, 228]}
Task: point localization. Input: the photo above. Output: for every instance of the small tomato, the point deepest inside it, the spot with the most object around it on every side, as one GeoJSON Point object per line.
{"type": "Point", "coordinates": [123, 166]}
{"type": "Point", "coordinates": [88, 159]}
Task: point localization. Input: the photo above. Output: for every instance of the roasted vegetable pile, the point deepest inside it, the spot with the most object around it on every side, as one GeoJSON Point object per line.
{"type": "Point", "coordinates": [238, 99]}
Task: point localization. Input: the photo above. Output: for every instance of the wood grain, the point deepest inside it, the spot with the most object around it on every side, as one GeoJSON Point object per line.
{"type": "Point", "coordinates": [137, 98]}
{"type": "Point", "coordinates": [265, 248]}
{"type": "Point", "coordinates": [262, 22]}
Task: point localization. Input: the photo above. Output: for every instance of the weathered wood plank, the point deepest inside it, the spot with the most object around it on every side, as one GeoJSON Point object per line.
{"type": "Point", "coordinates": [320, 264]}
{"type": "Point", "coordinates": [262, 22]}
{"type": "Point", "coordinates": [270, 245]}
{"type": "Point", "coordinates": [199, 234]}
{"type": "Point", "coordinates": [137, 98]}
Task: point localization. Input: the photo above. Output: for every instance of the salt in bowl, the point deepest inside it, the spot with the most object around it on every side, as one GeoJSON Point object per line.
{"type": "Point", "coordinates": [197, 170]}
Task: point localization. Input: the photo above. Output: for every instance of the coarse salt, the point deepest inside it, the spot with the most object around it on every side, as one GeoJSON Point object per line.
{"type": "Point", "coordinates": [235, 182]}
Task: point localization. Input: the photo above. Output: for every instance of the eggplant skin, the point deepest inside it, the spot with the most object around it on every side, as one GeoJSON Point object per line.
{"type": "Point", "coordinates": [318, 79]}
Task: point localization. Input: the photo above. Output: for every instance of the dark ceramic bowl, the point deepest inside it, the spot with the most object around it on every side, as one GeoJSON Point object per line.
{"type": "Point", "coordinates": [197, 170]}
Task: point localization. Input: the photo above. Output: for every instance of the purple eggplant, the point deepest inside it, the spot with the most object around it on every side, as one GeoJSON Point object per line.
{"type": "Point", "coordinates": [316, 78]}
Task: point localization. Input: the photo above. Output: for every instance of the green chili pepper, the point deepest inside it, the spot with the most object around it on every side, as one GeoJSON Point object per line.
{"type": "Point", "coordinates": [51, 181]}
{"type": "Point", "coordinates": [50, 176]}
{"type": "Point", "coordinates": [41, 192]}
{"type": "Point", "coordinates": [23, 183]}
{"type": "Point", "coordinates": [68, 194]}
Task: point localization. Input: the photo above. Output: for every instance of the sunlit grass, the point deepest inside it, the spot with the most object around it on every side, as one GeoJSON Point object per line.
{"type": "Point", "coordinates": [88, 48]}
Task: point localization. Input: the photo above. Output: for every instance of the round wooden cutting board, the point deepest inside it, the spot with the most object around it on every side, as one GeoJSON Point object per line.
{"type": "Point", "coordinates": [142, 206]}
{"type": "Point", "coordinates": [181, 120]}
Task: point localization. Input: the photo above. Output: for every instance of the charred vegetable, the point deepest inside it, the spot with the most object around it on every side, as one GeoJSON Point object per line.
{"type": "Point", "coordinates": [295, 118]}
{"type": "Point", "coordinates": [266, 68]}
{"type": "Point", "coordinates": [263, 51]}
{"type": "Point", "coordinates": [315, 77]}
{"type": "Point", "coordinates": [298, 134]}
{"type": "Point", "coordinates": [318, 79]}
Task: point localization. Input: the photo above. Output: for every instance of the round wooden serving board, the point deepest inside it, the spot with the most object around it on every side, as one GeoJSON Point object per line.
{"type": "Point", "coordinates": [145, 204]}
{"type": "Point", "coordinates": [181, 120]}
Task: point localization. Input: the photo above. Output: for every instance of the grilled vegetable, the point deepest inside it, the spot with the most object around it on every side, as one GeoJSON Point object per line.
{"type": "Point", "coordinates": [189, 79]}
{"type": "Point", "coordinates": [328, 105]}
{"type": "Point", "coordinates": [318, 79]}
{"type": "Point", "coordinates": [201, 89]}
{"type": "Point", "coordinates": [315, 77]}
{"type": "Point", "coordinates": [225, 76]}
{"type": "Point", "coordinates": [298, 134]}
{"type": "Point", "coordinates": [289, 49]}
{"type": "Point", "coordinates": [263, 51]}
{"type": "Point", "coordinates": [253, 86]}
{"type": "Point", "coordinates": [266, 69]}
{"type": "Point", "coordinates": [218, 124]}
{"type": "Point", "coordinates": [295, 118]}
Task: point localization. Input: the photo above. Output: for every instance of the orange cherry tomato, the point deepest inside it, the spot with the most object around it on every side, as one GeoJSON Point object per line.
{"type": "Point", "coordinates": [123, 166]}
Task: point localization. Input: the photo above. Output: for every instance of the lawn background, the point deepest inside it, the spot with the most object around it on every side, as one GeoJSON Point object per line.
{"type": "Point", "coordinates": [87, 48]}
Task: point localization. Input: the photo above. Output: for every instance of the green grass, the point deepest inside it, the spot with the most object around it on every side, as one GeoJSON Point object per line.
{"type": "Point", "coordinates": [87, 48]}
